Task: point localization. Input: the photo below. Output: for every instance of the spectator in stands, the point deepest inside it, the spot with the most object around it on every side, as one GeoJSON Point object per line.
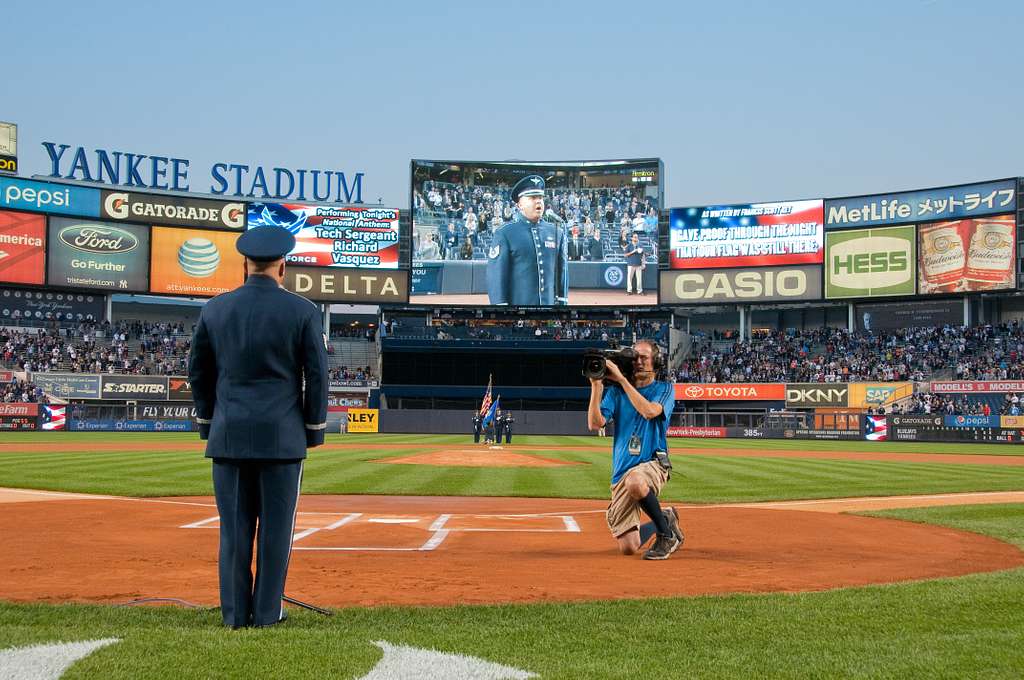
{"type": "Point", "coordinates": [467, 248]}
{"type": "Point", "coordinates": [576, 244]}
{"type": "Point", "coordinates": [635, 266]}
{"type": "Point", "coordinates": [596, 247]}
{"type": "Point", "coordinates": [451, 243]}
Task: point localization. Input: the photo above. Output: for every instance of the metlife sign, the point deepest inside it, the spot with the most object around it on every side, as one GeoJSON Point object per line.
{"type": "Point", "coordinates": [944, 203]}
{"type": "Point", "coordinates": [864, 263]}
{"type": "Point", "coordinates": [63, 199]}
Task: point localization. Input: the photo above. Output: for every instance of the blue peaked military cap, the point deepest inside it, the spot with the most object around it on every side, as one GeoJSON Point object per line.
{"type": "Point", "coordinates": [531, 185]}
{"type": "Point", "coordinates": [265, 243]}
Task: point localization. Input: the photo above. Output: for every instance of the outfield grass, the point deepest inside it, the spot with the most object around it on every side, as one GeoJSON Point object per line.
{"type": "Point", "coordinates": [968, 627]}
{"type": "Point", "coordinates": [171, 471]}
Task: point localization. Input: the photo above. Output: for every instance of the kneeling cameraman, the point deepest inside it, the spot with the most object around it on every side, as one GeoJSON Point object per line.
{"type": "Point", "coordinates": [640, 467]}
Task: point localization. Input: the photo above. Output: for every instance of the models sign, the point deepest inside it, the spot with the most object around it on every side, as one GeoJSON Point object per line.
{"type": "Point", "coordinates": [870, 262]}
{"type": "Point", "coordinates": [329, 236]}
{"type": "Point", "coordinates": [749, 235]}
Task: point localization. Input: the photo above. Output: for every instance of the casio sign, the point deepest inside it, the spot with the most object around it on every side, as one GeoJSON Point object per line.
{"type": "Point", "coordinates": [741, 285]}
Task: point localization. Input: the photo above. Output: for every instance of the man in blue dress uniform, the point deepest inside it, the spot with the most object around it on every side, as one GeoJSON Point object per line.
{"type": "Point", "coordinates": [258, 370]}
{"type": "Point", "coordinates": [528, 261]}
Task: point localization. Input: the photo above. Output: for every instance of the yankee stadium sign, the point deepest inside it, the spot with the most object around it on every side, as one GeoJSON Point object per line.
{"type": "Point", "coordinates": [145, 171]}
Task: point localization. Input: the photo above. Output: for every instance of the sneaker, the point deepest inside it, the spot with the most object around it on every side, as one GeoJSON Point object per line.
{"type": "Point", "coordinates": [663, 547]}
{"type": "Point", "coordinates": [672, 517]}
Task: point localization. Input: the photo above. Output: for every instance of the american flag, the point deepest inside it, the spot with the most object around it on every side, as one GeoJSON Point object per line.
{"type": "Point", "coordinates": [876, 429]}
{"type": "Point", "coordinates": [53, 417]}
{"type": "Point", "coordinates": [486, 405]}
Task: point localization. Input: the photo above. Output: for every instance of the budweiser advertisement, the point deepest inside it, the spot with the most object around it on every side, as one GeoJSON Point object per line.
{"type": "Point", "coordinates": [977, 386]}
{"type": "Point", "coordinates": [967, 255]}
{"type": "Point", "coordinates": [730, 392]}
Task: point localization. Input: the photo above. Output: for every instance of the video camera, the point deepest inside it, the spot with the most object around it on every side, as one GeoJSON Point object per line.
{"type": "Point", "coordinates": [594, 367]}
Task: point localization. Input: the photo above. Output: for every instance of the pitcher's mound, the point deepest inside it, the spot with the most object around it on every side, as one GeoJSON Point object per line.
{"type": "Point", "coordinates": [477, 458]}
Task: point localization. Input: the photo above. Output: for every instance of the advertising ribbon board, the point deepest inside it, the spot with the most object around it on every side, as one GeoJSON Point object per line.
{"type": "Point", "coordinates": [749, 235]}
{"type": "Point", "coordinates": [134, 387]}
{"type": "Point", "coordinates": [363, 419]}
{"type": "Point", "coordinates": [94, 254]}
{"type": "Point", "coordinates": [976, 386]}
{"type": "Point", "coordinates": [968, 200]}
{"type": "Point", "coordinates": [22, 247]}
{"type": "Point", "coordinates": [175, 211]}
{"type": "Point", "coordinates": [873, 395]}
{"type": "Point", "coordinates": [753, 284]}
{"type": "Point", "coordinates": [697, 432]}
{"type": "Point", "coordinates": [817, 395]}
{"type": "Point", "coordinates": [348, 285]}
{"type": "Point", "coordinates": [68, 385]}
{"type": "Point", "coordinates": [863, 263]}
{"type": "Point", "coordinates": [730, 391]}
{"type": "Point", "coordinates": [334, 236]}
{"type": "Point", "coordinates": [60, 199]}
{"type": "Point", "coordinates": [179, 388]}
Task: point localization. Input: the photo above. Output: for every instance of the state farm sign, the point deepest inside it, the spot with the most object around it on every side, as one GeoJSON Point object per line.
{"type": "Point", "coordinates": [730, 391]}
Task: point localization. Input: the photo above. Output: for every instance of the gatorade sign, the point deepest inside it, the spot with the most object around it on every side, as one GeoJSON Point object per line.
{"type": "Point", "coordinates": [363, 419]}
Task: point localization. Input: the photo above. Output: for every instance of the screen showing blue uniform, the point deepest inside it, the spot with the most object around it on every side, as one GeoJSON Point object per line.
{"type": "Point", "coordinates": [615, 406]}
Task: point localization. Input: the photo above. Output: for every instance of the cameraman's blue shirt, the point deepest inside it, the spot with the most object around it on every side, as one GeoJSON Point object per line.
{"type": "Point", "coordinates": [615, 405]}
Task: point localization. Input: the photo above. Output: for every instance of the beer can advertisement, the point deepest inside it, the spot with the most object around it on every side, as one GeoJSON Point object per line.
{"type": "Point", "coordinates": [334, 236]}
{"type": "Point", "coordinates": [967, 255]}
{"type": "Point", "coordinates": [194, 262]}
{"type": "Point", "coordinates": [94, 254]}
{"type": "Point", "coordinates": [863, 263]}
{"type": "Point", "coordinates": [748, 235]}
{"type": "Point", "coordinates": [22, 247]}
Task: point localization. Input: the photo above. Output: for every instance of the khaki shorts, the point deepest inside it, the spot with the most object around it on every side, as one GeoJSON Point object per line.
{"type": "Point", "coordinates": [624, 513]}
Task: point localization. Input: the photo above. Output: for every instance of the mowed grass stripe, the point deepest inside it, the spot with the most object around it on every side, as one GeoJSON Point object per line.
{"type": "Point", "coordinates": [696, 478]}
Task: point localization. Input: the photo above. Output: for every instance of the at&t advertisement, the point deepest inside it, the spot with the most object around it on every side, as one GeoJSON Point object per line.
{"type": "Point", "coordinates": [194, 262]}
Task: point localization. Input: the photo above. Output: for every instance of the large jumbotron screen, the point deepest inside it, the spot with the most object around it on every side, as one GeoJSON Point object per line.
{"type": "Point", "coordinates": [595, 242]}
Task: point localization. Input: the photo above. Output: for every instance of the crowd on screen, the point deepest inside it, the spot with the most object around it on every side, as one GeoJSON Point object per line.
{"type": "Point", "coordinates": [467, 215]}
{"type": "Point", "coordinates": [829, 355]}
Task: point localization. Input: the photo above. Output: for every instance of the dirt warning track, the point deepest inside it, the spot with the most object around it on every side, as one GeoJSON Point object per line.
{"type": "Point", "coordinates": [373, 550]}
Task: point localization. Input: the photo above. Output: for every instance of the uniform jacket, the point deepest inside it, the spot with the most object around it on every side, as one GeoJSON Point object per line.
{"type": "Point", "coordinates": [528, 265]}
{"type": "Point", "coordinates": [258, 370]}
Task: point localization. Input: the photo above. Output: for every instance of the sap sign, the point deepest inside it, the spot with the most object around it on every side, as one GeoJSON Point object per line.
{"type": "Point", "coordinates": [26, 194]}
{"type": "Point", "coordinates": [755, 284]}
{"type": "Point", "coordinates": [870, 262]}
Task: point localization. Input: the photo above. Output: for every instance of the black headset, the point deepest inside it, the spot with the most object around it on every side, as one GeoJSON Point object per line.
{"type": "Point", "coordinates": [657, 360]}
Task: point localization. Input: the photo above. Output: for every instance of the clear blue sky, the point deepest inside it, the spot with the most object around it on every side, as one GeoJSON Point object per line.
{"type": "Point", "coordinates": [742, 101]}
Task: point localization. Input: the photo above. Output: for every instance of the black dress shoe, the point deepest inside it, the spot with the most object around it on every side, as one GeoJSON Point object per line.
{"type": "Point", "coordinates": [284, 617]}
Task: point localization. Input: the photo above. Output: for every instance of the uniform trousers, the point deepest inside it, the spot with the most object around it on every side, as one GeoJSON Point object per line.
{"type": "Point", "coordinates": [256, 499]}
